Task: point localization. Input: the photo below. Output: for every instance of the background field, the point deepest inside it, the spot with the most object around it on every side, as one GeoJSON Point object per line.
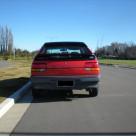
{"type": "Point", "coordinates": [129, 63]}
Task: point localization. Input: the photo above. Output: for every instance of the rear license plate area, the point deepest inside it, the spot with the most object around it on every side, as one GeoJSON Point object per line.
{"type": "Point", "coordinates": [65, 83]}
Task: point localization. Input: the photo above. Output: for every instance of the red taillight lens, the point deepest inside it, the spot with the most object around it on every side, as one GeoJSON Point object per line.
{"type": "Point", "coordinates": [93, 67]}
{"type": "Point", "coordinates": [38, 67]}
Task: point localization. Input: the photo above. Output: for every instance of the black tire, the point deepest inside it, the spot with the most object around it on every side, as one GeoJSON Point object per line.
{"type": "Point", "coordinates": [35, 94]}
{"type": "Point", "coordinates": [93, 92]}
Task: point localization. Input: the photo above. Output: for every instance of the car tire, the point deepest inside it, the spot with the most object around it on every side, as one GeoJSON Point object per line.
{"type": "Point", "coordinates": [93, 92]}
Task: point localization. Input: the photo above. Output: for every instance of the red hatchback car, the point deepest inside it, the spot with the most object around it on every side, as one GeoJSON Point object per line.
{"type": "Point", "coordinates": [65, 66]}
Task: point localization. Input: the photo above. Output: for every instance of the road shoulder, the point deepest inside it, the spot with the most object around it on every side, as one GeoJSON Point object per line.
{"type": "Point", "coordinates": [9, 121]}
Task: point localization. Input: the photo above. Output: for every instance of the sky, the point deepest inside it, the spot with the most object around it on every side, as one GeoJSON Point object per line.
{"type": "Point", "coordinates": [95, 22]}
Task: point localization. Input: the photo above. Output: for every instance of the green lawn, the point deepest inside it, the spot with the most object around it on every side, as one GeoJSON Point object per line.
{"type": "Point", "coordinates": [131, 63]}
{"type": "Point", "coordinates": [13, 77]}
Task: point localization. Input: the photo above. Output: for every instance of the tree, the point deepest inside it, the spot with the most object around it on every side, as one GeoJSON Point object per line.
{"type": "Point", "coordinates": [118, 50]}
{"type": "Point", "coordinates": [2, 46]}
{"type": "Point", "coordinates": [6, 41]}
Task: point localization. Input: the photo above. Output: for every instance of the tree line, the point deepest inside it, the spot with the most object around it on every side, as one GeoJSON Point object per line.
{"type": "Point", "coordinates": [6, 41]}
{"type": "Point", "coordinates": [117, 51]}
{"type": "Point", "coordinates": [24, 53]}
{"type": "Point", "coordinates": [7, 49]}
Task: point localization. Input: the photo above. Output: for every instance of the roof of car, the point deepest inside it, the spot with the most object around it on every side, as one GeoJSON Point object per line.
{"type": "Point", "coordinates": [65, 43]}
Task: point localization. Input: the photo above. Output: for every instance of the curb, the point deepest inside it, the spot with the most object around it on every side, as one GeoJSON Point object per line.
{"type": "Point", "coordinates": [10, 101]}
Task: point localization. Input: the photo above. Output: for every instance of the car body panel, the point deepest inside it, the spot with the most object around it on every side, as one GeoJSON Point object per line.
{"type": "Point", "coordinates": [61, 68]}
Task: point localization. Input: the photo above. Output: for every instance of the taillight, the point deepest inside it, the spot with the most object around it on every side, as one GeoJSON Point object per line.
{"type": "Point", "coordinates": [92, 69]}
{"type": "Point", "coordinates": [92, 66]}
{"type": "Point", "coordinates": [38, 67]}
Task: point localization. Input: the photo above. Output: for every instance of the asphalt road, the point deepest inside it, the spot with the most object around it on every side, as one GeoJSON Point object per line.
{"type": "Point", "coordinates": [113, 111]}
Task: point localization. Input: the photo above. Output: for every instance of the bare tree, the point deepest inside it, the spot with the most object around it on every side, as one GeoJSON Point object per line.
{"type": "Point", "coordinates": [118, 50]}
{"type": "Point", "coordinates": [6, 40]}
{"type": "Point", "coordinates": [2, 39]}
{"type": "Point", "coordinates": [10, 42]}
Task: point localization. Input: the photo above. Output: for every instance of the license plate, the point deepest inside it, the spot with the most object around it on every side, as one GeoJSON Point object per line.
{"type": "Point", "coordinates": [65, 83]}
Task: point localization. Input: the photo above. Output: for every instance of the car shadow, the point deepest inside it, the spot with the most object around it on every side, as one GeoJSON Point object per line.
{"type": "Point", "coordinates": [10, 86]}
{"type": "Point", "coordinates": [58, 97]}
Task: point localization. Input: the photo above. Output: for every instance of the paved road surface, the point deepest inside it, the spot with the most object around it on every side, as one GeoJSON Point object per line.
{"type": "Point", "coordinates": [113, 111]}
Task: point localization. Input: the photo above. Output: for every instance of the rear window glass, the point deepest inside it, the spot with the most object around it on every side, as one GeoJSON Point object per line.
{"type": "Point", "coordinates": [65, 52]}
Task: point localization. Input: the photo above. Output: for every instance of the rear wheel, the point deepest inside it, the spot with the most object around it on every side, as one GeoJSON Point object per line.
{"type": "Point", "coordinates": [93, 92]}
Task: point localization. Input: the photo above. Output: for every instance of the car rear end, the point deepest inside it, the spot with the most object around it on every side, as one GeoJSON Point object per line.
{"type": "Point", "coordinates": [65, 66]}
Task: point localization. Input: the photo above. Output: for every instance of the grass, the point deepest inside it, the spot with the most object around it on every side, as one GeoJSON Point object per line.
{"type": "Point", "coordinates": [130, 63]}
{"type": "Point", "coordinates": [13, 77]}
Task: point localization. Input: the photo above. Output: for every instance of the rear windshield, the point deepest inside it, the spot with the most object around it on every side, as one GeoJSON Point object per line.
{"type": "Point", "coordinates": [63, 52]}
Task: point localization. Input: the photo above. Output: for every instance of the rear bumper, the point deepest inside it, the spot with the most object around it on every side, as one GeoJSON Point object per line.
{"type": "Point", "coordinates": [51, 82]}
